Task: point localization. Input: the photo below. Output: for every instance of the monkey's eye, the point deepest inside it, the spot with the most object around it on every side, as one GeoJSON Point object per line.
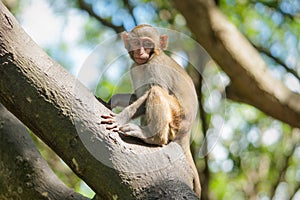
{"type": "Point", "coordinates": [147, 44]}
{"type": "Point", "coordinates": [134, 43]}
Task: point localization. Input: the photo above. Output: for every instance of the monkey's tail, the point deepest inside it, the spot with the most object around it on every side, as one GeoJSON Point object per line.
{"type": "Point", "coordinates": [197, 185]}
{"type": "Point", "coordinates": [185, 144]}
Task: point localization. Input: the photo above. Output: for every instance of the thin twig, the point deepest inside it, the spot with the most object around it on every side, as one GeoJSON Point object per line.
{"type": "Point", "coordinates": [130, 9]}
{"type": "Point", "coordinates": [277, 60]}
{"type": "Point", "coordinates": [89, 9]}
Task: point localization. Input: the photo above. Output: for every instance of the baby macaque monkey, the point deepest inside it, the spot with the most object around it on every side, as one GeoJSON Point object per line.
{"type": "Point", "coordinates": [163, 93]}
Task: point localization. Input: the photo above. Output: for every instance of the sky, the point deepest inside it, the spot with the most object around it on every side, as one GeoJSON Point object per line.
{"type": "Point", "coordinates": [48, 30]}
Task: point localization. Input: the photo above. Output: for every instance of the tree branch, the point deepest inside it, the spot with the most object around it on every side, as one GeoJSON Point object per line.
{"type": "Point", "coordinates": [288, 156]}
{"type": "Point", "coordinates": [296, 189]}
{"type": "Point", "coordinates": [251, 82]}
{"type": "Point", "coordinates": [66, 116]}
{"type": "Point", "coordinates": [21, 163]}
{"type": "Point", "coordinates": [282, 172]}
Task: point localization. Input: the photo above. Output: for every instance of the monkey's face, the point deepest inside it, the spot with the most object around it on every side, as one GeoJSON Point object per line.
{"type": "Point", "coordinates": [140, 49]}
{"type": "Point", "coordinates": [142, 42]}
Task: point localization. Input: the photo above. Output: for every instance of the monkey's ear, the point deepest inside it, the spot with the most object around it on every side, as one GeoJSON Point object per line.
{"type": "Point", "coordinates": [163, 41]}
{"type": "Point", "coordinates": [124, 36]}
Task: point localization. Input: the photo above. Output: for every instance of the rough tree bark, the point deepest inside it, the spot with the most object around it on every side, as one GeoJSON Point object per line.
{"type": "Point", "coordinates": [24, 174]}
{"type": "Point", "coordinates": [251, 81]}
{"type": "Point", "coordinates": [65, 115]}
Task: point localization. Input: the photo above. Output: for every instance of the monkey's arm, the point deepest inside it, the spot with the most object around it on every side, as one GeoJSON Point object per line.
{"type": "Point", "coordinates": [124, 100]}
{"type": "Point", "coordinates": [121, 100]}
{"type": "Point", "coordinates": [127, 113]}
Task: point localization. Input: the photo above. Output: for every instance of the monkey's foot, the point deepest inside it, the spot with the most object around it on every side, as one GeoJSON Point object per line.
{"type": "Point", "coordinates": [132, 130]}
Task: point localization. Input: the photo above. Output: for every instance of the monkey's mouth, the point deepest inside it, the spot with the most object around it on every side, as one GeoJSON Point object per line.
{"type": "Point", "coordinates": [141, 59]}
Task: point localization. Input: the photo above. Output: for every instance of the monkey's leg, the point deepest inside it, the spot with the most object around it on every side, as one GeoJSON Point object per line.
{"type": "Point", "coordinates": [158, 116]}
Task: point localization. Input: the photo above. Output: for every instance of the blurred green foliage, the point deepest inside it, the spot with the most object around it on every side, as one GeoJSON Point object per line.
{"type": "Point", "coordinates": [250, 155]}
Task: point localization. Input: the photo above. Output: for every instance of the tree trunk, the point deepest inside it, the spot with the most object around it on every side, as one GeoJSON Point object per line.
{"type": "Point", "coordinates": [251, 81]}
{"type": "Point", "coordinates": [24, 174]}
{"type": "Point", "coordinates": [65, 115]}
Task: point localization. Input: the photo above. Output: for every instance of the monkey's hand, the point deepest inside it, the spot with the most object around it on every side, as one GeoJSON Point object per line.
{"type": "Point", "coordinates": [110, 122]}
{"type": "Point", "coordinates": [115, 121]}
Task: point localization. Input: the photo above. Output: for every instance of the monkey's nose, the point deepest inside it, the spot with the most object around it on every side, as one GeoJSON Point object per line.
{"type": "Point", "coordinates": [142, 50]}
